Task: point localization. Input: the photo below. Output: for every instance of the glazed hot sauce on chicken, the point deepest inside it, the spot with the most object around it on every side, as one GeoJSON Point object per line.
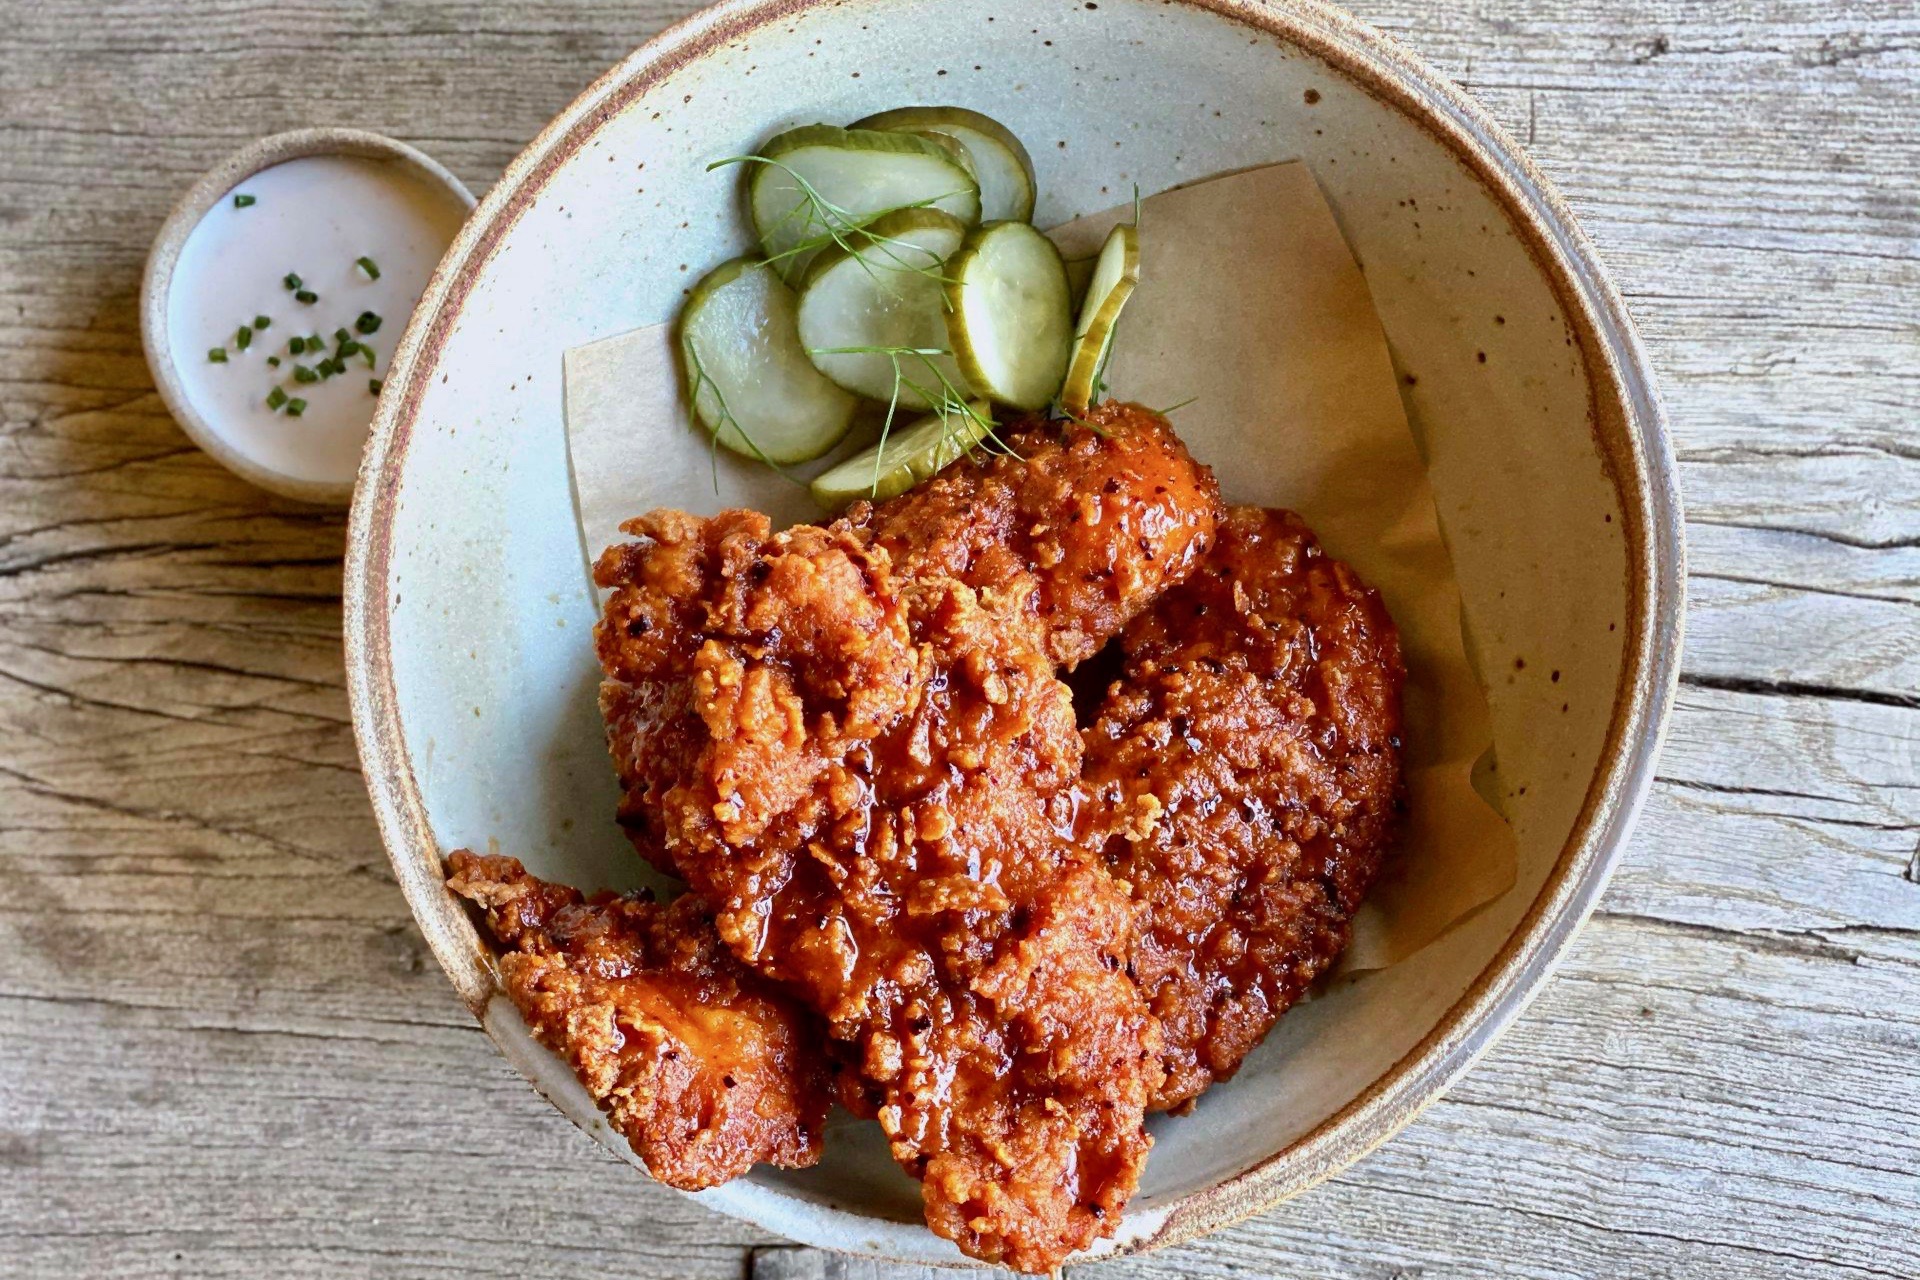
{"type": "Point", "coordinates": [1012, 936]}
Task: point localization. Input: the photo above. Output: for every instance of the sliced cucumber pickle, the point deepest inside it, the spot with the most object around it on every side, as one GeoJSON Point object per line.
{"type": "Point", "coordinates": [819, 181]}
{"type": "Point", "coordinates": [873, 318]}
{"type": "Point", "coordinates": [1010, 315]}
{"type": "Point", "coordinates": [906, 457]}
{"type": "Point", "coordinates": [1115, 274]}
{"type": "Point", "coordinates": [752, 384]}
{"type": "Point", "coordinates": [1000, 162]}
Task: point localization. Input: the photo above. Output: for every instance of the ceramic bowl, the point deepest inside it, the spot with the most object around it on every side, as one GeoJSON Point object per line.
{"type": "Point", "coordinates": [468, 608]}
{"type": "Point", "coordinates": [157, 283]}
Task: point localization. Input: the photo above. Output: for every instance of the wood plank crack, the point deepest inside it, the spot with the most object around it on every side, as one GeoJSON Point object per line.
{"type": "Point", "coordinates": [1898, 543]}
{"type": "Point", "coordinates": [1798, 689]}
{"type": "Point", "coordinates": [1812, 943]}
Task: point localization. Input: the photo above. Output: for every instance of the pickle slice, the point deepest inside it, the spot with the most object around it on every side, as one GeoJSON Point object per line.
{"type": "Point", "coordinates": [1010, 314]}
{"type": "Point", "coordinates": [812, 183]}
{"type": "Point", "coordinates": [751, 382]}
{"type": "Point", "coordinates": [874, 319]}
{"type": "Point", "coordinates": [907, 456]}
{"type": "Point", "coordinates": [1000, 162]}
{"type": "Point", "coordinates": [1115, 273]}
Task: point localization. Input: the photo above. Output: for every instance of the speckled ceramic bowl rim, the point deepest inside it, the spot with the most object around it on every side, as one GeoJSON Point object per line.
{"type": "Point", "coordinates": [157, 282]}
{"type": "Point", "coordinates": [1626, 418]}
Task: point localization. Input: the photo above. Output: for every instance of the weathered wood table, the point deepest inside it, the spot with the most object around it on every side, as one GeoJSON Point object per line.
{"type": "Point", "coordinates": [224, 1050]}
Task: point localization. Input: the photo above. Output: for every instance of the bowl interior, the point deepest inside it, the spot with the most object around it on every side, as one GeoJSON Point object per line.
{"type": "Point", "coordinates": [474, 609]}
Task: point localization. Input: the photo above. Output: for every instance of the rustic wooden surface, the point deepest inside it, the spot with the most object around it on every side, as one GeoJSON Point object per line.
{"type": "Point", "coordinates": [224, 1050]}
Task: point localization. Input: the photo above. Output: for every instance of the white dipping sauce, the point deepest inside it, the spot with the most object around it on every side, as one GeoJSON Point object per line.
{"type": "Point", "coordinates": [313, 217]}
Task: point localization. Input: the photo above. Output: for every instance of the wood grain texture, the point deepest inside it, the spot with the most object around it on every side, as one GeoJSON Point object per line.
{"type": "Point", "coordinates": [781, 1262]}
{"type": "Point", "coordinates": [224, 1051]}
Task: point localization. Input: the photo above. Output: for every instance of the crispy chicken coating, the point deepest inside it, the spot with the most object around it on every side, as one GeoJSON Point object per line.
{"type": "Point", "coordinates": [870, 777]}
{"type": "Point", "coordinates": [1103, 516]}
{"type": "Point", "coordinates": [920, 886]}
{"type": "Point", "coordinates": [1244, 778]}
{"type": "Point", "coordinates": [701, 1065]}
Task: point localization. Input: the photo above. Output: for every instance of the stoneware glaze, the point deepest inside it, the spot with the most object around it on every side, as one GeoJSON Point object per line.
{"type": "Point", "coordinates": [155, 288]}
{"type": "Point", "coordinates": [469, 612]}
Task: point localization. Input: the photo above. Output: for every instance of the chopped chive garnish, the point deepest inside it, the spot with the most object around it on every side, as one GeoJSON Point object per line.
{"type": "Point", "coordinates": [263, 322]}
{"type": "Point", "coordinates": [373, 385]}
{"type": "Point", "coordinates": [292, 281]}
{"type": "Point", "coordinates": [276, 398]}
{"type": "Point", "coordinates": [243, 337]}
{"type": "Point", "coordinates": [367, 351]}
{"type": "Point", "coordinates": [296, 407]}
{"type": "Point", "coordinates": [347, 348]}
{"type": "Point", "coordinates": [303, 374]}
{"type": "Point", "coordinates": [316, 343]}
{"type": "Point", "coordinates": [243, 202]}
{"type": "Point", "coordinates": [307, 296]}
{"type": "Point", "coordinates": [217, 355]}
{"type": "Point", "coordinates": [341, 335]}
{"type": "Point", "coordinates": [273, 362]}
{"type": "Point", "coordinates": [296, 345]}
{"type": "Point", "coordinates": [367, 323]}
{"type": "Point", "coordinates": [369, 266]}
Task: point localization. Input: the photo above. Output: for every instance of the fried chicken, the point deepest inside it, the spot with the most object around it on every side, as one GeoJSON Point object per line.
{"type": "Point", "coordinates": [1104, 516]}
{"type": "Point", "coordinates": [870, 777]}
{"type": "Point", "coordinates": [919, 886]}
{"type": "Point", "coordinates": [701, 1065]}
{"type": "Point", "coordinates": [1244, 778]}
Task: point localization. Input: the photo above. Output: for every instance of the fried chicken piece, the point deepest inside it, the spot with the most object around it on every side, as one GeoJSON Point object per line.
{"type": "Point", "coordinates": [871, 778]}
{"type": "Point", "coordinates": [1244, 777]}
{"type": "Point", "coordinates": [1103, 516]}
{"type": "Point", "coordinates": [705, 1068]}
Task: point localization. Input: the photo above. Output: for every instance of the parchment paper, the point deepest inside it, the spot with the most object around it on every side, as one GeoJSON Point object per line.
{"type": "Point", "coordinates": [1251, 306]}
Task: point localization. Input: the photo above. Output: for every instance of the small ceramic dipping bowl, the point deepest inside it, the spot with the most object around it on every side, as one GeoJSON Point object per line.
{"type": "Point", "coordinates": [468, 613]}
{"type": "Point", "coordinates": [316, 232]}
